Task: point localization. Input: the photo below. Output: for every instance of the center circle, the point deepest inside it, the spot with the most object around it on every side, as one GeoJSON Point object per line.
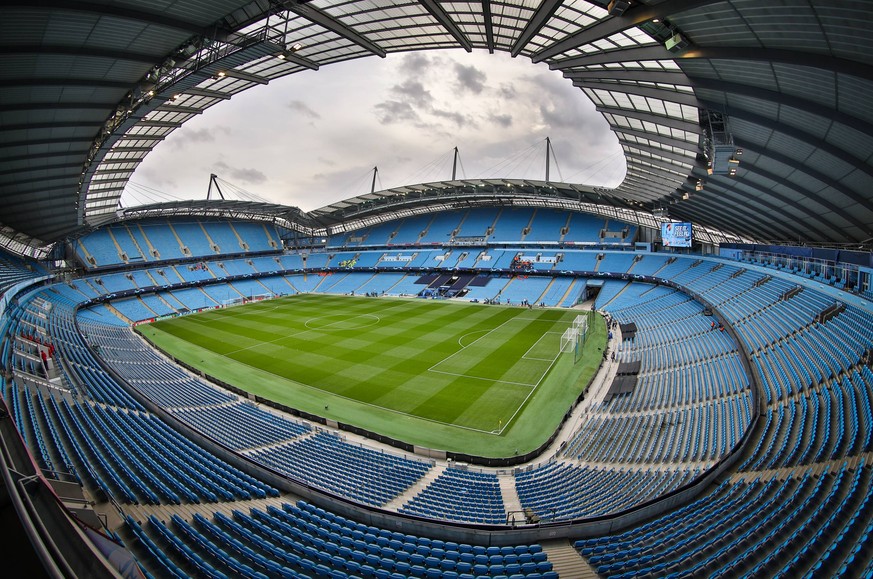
{"type": "Point", "coordinates": [341, 322]}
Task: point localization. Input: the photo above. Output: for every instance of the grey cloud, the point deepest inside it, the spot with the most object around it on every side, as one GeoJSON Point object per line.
{"type": "Point", "coordinates": [188, 135]}
{"type": "Point", "coordinates": [414, 91]}
{"type": "Point", "coordinates": [157, 179]}
{"type": "Point", "coordinates": [460, 120]}
{"type": "Point", "coordinates": [242, 174]}
{"type": "Point", "coordinates": [412, 119]}
{"type": "Point", "coordinates": [470, 78]}
{"type": "Point", "coordinates": [506, 91]}
{"type": "Point", "coordinates": [252, 176]}
{"type": "Point", "coordinates": [414, 63]}
{"type": "Point", "coordinates": [346, 182]}
{"type": "Point", "coordinates": [392, 111]}
{"type": "Point", "coordinates": [304, 109]}
{"type": "Point", "coordinates": [562, 106]}
{"type": "Point", "coordinates": [504, 120]}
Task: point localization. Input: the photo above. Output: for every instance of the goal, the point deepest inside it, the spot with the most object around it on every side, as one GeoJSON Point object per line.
{"type": "Point", "coordinates": [580, 324]}
{"type": "Point", "coordinates": [574, 337]}
{"type": "Point", "coordinates": [240, 300]}
{"type": "Point", "coordinates": [229, 303]}
{"type": "Point", "coordinates": [259, 297]}
{"type": "Point", "coordinates": [569, 339]}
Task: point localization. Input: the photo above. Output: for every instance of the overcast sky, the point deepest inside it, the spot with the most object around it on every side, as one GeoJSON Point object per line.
{"type": "Point", "coordinates": [312, 138]}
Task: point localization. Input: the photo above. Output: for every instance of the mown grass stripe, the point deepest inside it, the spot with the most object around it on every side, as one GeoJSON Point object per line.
{"type": "Point", "coordinates": [383, 365]}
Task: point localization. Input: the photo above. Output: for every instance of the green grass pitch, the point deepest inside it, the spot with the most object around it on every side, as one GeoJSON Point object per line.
{"type": "Point", "coordinates": [485, 380]}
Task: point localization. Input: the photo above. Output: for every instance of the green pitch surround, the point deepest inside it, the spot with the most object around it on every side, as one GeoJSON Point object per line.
{"type": "Point", "coordinates": [478, 379]}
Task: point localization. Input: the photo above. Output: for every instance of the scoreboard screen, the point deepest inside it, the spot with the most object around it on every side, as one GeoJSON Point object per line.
{"type": "Point", "coordinates": [676, 234]}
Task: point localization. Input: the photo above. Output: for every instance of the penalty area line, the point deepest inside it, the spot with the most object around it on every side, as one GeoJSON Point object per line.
{"type": "Point", "coordinates": [529, 394]}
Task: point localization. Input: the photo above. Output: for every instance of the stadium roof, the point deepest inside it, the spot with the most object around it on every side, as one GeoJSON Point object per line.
{"type": "Point", "coordinates": [89, 88]}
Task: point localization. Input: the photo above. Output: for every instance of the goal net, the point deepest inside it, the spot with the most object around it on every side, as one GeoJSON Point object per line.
{"type": "Point", "coordinates": [568, 339]}
{"type": "Point", "coordinates": [229, 303]}
{"type": "Point", "coordinates": [237, 301]}
{"type": "Point", "coordinates": [573, 337]}
{"type": "Point", "coordinates": [580, 324]}
{"type": "Point", "coordinates": [260, 297]}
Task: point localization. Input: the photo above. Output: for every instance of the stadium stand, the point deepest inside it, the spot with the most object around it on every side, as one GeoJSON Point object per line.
{"type": "Point", "coordinates": [441, 227]}
{"type": "Point", "coordinates": [730, 436]}
{"type": "Point", "coordinates": [327, 461]}
{"type": "Point", "coordinates": [547, 225]}
{"type": "Point", "coordinates": [584, 228]}
{"type": "Point", "coordinates": [689, 409]}
{"type": "Point", "coordinates": [154, 241]}
{"type": "Point", "coordinates": [508, 225]}
{"type": "Point", "coordinates": [14, 270]}
{"type": "Point", "coordinates": [458, 495]}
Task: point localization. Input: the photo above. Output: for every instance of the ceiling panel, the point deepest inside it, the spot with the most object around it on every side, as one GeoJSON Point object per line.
{"type": "Point", "coordinates": [793, 78]}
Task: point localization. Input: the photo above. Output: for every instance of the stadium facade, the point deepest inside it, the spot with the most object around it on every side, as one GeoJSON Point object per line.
{"type": "Point", "coordinates": [734, 440]}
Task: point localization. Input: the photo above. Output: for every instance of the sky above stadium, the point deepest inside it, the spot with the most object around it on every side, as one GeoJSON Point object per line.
{"type": "Point", "coordinates": [313, 138]}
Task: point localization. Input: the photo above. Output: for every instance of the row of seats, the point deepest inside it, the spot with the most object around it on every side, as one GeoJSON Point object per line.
{"type": "Point", "coordinates": [559, 490]}
{"type": "Point", "coordinates": [357, 472]}
{"type": "Point", "coordinates": [703, 432]}
{"type": "Point", "coordinates": [749, 528]}
{"type": "Point", "coordinates": [304, 541]}
{"type": "Point", "coordinates": [222, 423]}
{"type": "Point", "coordinates": [825, 273]}
{"type": "Point", "coordinates": [818, 411]}
{"type": "Point", "coordinates": [14, 270]}
{"type": "Point", "coordinates": [686, 384]}
{"type": "Point", "coordinates": [853, 430]}
{"type": "Point", "coordinates": [459, 495]}
{"type": "Point", "coordinates": [825, 424]}
{"type": "Point", "coordinates": [209, 270]}
{"type": "Point", "coordinates": [137, 459]}
{"type": "Point", "coordinates": [495, 225]}
{"type": "Point", "coordinates": [161, 240]}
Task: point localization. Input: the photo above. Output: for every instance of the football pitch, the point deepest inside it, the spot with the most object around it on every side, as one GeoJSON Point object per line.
{"type": "Point", "coordinates": [486, 380]}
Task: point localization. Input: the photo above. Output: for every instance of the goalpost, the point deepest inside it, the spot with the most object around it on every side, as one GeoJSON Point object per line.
{"type": "Point", "coordinates": [568, 339]}
{"type": "Point", "coordinates": [240, 300]}
{"type": "Point", "coordinates": [574, 337]}
{"type": "Point", "coordinates": [229, 303]}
